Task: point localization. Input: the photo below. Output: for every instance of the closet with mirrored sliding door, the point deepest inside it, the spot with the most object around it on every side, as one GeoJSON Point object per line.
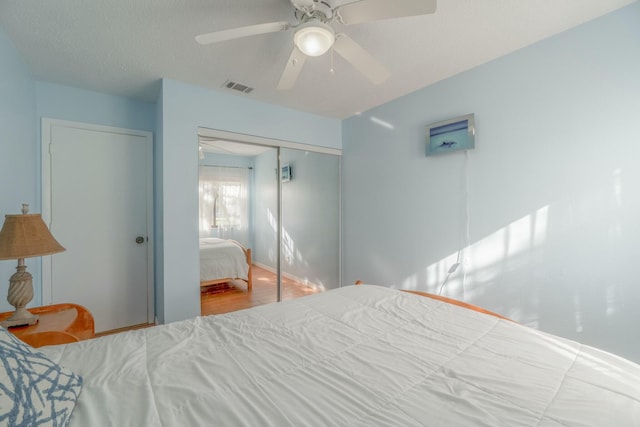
{"type": "Point", "coordinates": [288, 216]}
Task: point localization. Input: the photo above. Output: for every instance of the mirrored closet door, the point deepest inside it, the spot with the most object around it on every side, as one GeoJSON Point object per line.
{"type": "Point", "coordinates": [310, 220]}
{"type": "Point", "coordinates": [278, 209]}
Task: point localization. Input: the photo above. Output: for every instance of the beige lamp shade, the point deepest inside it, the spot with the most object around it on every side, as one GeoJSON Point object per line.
{"type": "Point", "coordinates": [25, 236]}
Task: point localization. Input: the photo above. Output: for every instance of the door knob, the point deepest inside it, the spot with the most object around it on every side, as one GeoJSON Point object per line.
{"type": "Point", "coordinates": [139, 240]}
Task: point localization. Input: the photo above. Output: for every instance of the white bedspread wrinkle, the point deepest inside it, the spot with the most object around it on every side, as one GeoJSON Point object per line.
{"type": "Point", "coordinates": [354, 356]}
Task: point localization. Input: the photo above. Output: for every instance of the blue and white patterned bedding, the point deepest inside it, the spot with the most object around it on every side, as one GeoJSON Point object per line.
{"type": "Point", "coordinates": [34, 391]}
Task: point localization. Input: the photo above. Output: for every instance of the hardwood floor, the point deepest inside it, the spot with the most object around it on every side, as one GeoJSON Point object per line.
{"type": "Point", "coordinates": [126, 328]}
{"type": "Point", "coordinates": [233, 296]}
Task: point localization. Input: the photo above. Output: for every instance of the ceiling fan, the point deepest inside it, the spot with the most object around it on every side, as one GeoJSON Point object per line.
{"type": "Point", "coordinates": [314, 35]}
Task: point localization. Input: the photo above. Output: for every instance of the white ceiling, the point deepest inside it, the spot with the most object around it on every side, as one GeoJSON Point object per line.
{"type": "Point", "coordinates": [124, 47]}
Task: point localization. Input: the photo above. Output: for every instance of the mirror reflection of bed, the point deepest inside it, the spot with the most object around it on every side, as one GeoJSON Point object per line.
{"type": "Point", "coordinates": [224, 261]}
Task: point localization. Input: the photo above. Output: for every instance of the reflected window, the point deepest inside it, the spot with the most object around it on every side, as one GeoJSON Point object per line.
{"type": "Point", "coordinates": [223, 202]}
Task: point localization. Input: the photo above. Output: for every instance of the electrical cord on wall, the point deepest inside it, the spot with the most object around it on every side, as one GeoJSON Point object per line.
{"type": "Point", "coordinates": [455, 266]}
{"type": "Point", "coordinates": [452, 270]}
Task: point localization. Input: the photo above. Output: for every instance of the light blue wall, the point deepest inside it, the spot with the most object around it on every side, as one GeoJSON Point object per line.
{"type": "Point", "coordinates": [67, 103]}
{"type": "Point", "coordinates": [554, 197]}
{"type": "Point", "coordinates": [18, 153]}
{"type": "Point", "coordinates": [184, 109]}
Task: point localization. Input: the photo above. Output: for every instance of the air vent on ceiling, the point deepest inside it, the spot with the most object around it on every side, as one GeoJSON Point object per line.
{"type": "Point", "coordinates": [229, 84]}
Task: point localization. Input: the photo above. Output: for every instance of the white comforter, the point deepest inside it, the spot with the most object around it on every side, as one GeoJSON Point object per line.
{"type": "Point", "coordinates": [222, 259]}
{"type": "Point", "coordinates": [355, 356]}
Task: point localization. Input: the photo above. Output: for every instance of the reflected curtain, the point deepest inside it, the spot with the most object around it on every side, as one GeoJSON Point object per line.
{"type": "Point", "coordinates": [224, 205]}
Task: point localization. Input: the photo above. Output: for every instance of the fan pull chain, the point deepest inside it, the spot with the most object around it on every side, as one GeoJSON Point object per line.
{"type": "Point", "coordinates": [332, 70]}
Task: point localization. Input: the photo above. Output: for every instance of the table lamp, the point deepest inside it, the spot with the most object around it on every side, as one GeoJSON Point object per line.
{"type": "Point", "coordinates": [24, 236]}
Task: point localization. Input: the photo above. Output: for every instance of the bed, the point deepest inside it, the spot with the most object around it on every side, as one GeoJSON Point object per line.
{"type": "Point", "coordinates": [222, 261]}
{"type": "Point", "coordinates": [353, 356]}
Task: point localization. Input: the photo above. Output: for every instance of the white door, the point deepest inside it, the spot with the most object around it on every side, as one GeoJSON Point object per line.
{"type": "Point", "coordinates": [98, 201]}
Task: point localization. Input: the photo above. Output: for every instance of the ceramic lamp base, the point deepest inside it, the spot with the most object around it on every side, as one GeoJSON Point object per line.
{"type": "Point", "coordinates": [20, 294]}
{"type": "Point", "coordinates": [21, 317]}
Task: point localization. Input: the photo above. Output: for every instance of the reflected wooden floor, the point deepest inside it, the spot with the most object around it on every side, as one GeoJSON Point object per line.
{"type": "Point", "coordinates": [234, 296]}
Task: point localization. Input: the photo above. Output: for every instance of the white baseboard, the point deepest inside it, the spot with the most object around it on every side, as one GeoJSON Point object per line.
{"type": "Point", "coordinates": [304, 282]}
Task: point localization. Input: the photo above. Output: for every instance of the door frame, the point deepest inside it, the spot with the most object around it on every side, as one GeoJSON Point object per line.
{"type": "Point", "coordinates": [47, 125]}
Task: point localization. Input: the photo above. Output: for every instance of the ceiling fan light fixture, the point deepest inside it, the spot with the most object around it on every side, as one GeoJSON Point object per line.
{"type": "Point", "coordinates": [314, 38]}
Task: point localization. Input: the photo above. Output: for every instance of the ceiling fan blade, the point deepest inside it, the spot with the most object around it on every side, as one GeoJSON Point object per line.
{"type": "Point", "coordinates": [361, 59]}
{"type": "Point", "coordinates": [375, 10]}
{"type": "Point", "coordinates": [292, 69]}
{"type": "Point", "coordinates": [236, 33]}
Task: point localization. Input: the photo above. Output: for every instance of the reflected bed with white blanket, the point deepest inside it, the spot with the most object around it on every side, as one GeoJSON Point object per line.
{"type": "Point", "coordinates": [223, 261]}
{"type": "Point", "coordinates": [353, 356]}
